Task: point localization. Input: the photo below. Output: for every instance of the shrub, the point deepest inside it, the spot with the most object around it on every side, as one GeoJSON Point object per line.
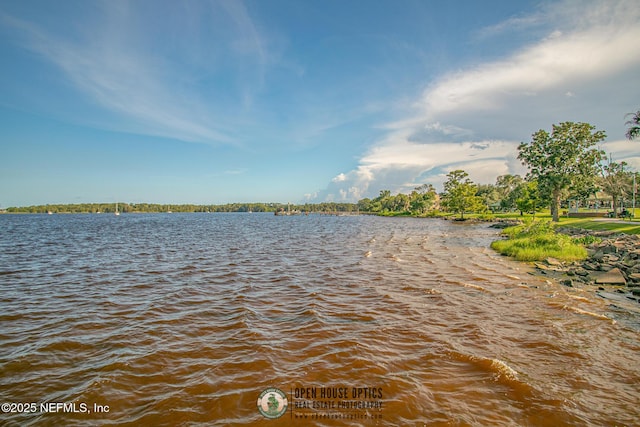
{"type": "Point", "coordinates": [536, 241]}
{"type": "Point", "coordinates": [586, 240]}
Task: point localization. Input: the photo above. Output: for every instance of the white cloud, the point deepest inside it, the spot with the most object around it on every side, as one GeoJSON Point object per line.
{"type": "Point", "coordinates": [624, 150]}
{"type": "Point", "coordinates": [400, 165]}
{"type": "Point", "coordinates": [555, 62]}
{"type": "Point", "coordinates": [111, 62]}
{"type": "Point", "coordinates": [448, 130]}
{"type": "Point", "coordinates": [515, 23]}
{"type": "Point", "coordinates": [474, 119]}
{"type": "Point", "coordinates": [339, 178]}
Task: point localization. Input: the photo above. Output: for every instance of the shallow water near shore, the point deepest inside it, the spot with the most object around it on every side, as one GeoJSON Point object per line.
{"type": "Point", "coordinates": [186, 319]}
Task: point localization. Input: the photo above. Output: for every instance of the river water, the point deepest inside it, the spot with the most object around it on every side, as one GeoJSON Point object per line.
{"type": "Point", "coordinates": [191, 319]}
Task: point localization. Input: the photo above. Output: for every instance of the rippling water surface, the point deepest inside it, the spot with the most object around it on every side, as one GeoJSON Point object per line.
{"type": "Point", "coordinates": [185, 319]}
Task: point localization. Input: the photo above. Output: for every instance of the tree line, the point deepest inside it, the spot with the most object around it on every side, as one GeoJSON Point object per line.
{"type": "Point", "coordinates": [325, 207]}
{"type": "Point", "coordinates": [564, 164]}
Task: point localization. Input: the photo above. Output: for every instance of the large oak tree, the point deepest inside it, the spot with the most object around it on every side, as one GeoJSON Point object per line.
{"type": "Point", "coordinates": [565, 159]}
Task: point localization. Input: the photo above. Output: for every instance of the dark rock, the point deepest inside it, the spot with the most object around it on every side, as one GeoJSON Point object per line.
{"type": "Point", "coordinates": [613, 260]}
{"type": "Point", "coordinates": [612, 277]}
{"type": "Point", "coordinates": [584, 279]}
{"type": "Point", "coordinates": [605, 267]}
{"type": "Point", "coordinates": [500, 224]}
{"type": "Point", "coordinates": [590, 266]}
{"type": "Point", "coordinates": [581, 272]}
{"type": "Point", "coordinates": [605, 233]}
{"type": "Point", "coordinates": [620, 244]}
{"type": "Point", "coordinates": [545, 268]}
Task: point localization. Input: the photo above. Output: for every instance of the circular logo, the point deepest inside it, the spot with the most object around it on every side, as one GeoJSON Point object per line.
{"type": "Point", "coordinates": [272, 403]}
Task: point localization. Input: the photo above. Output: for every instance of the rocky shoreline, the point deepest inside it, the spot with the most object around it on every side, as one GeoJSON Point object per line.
{"type": "Point", "coordinates": [613, 265]}
{"type": "Point", "coordinates": [611, 270]}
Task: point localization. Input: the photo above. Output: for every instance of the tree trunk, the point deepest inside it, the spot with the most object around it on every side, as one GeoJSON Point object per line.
{"type": "Point", "coordinates": [555, 205]}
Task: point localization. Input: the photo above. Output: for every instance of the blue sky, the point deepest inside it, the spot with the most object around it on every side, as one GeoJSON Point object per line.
{"type": "Point", "coordinates": [225, 101]}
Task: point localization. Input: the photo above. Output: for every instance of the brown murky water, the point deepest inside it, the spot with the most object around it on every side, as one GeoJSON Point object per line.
{"type": "Point", "coordinates": [185, 320]}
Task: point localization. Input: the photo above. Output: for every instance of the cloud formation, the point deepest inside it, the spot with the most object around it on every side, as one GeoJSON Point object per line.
{"type": "Point", "coordinates": [156, 93]}
{"type": "Point", "coordinates": [475, 118]}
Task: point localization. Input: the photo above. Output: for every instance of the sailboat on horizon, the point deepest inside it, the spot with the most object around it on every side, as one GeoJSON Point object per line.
{"type": "Point", "coordinates": [117, 212]}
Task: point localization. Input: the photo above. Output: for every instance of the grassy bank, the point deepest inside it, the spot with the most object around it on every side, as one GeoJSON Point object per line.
{"type": "Point", "coordinates": [536, 241]}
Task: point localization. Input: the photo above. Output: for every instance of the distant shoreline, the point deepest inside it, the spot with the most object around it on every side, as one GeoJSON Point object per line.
{"type": "Point", "coordinates": [95, 208]}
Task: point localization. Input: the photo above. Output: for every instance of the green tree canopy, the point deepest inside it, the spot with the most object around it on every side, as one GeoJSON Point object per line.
{"type": "Point", "coordinates": [460, 194]}
{"type": "Point", "coordinates": [564, 160]}
{"type": "Point", "coordinates": [489, 194]}
{"type": "Point", "coordinates": [529, 199]}
{"type": "Point", "coordinates": [510, 189]}
{"type": "Point", "coordinates": [615, 182]}
{"type": "Point", "coordinates": [423, 199]}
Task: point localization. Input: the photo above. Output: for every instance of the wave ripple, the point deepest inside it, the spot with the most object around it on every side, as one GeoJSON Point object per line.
{"type": "Point", "coordinates": [183, 320]}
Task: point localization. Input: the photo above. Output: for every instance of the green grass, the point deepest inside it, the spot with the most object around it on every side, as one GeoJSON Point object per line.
{"type": "Point", "coordinates": [536, 241]}
{"type": "Point", "coordinates": [620, 226]}
{"type": "Point", "coordinates": [600, 225]}
{"type": "Point", "coordinates": [394, 213]}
